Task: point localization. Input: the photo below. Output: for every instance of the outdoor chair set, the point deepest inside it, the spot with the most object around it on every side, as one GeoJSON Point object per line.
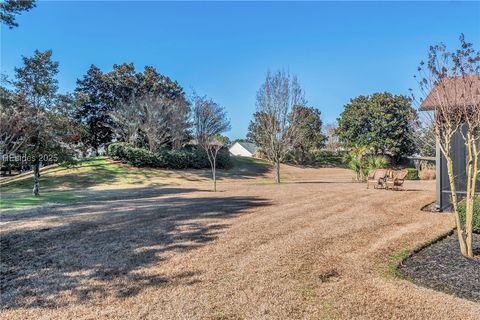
{"type": "Point", "coordinates": [387, 179]}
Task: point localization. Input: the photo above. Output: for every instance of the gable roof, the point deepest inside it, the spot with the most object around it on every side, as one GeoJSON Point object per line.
{"type": "Point", "coordinates": [250, 147]}
{"type": "Point", "coordinates": [459, 91]}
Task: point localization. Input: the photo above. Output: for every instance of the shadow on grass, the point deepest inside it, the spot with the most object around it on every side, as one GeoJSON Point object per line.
{"type": "Point", "coordinates": [64, 201]}
{"type": "Point", "coordinates": [104, 248]}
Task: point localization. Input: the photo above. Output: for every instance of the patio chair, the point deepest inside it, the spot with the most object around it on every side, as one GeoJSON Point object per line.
{"type": "Point", "coordinates": [377, 178]}
{"type": "Point", "coordinates": [396, 182]}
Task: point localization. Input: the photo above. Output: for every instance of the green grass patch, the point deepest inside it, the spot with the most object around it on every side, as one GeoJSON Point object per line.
{"type": "Point", "coordinates": [392, 267]}
{"type": "Point", "coordinates": [82, 174]}
{"type": "Point", "coordinates": [27, 201]}
{"type": "Point", "coordinates": [243, 166]}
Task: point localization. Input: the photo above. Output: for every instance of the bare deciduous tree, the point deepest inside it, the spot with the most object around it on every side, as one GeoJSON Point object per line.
{"type": "Point", "coordinates": [333, 141]}
{"type": "Point", "coordinates": [159, 119]}
{"type": "Point", "coordinates": [209, 120]}
{"type": "Point", "coordinates": [14, 133]}
{"type": "Point", "coordinates": [451, 84]}
{"type": "Point", "coordinates": [128, 120]}
{"type": "Point", "coordinates": [273, 129]}
{"type": "Point", "coordinates": [157, 111]}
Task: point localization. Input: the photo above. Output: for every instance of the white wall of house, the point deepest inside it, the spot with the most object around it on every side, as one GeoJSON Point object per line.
{"type": "Point", "coordinates": [237, 150]}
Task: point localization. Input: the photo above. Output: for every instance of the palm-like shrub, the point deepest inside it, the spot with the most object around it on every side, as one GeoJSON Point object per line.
{"type": "Point", "coordinates": [361, 163]}
{"type": "Point", "coordinates": [373, 162]}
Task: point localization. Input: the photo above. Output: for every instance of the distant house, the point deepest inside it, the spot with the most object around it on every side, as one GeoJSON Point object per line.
{"type": "Point", "coordinates": [243, 149]}
{"type": "Point", "coordinates": [453, 89]}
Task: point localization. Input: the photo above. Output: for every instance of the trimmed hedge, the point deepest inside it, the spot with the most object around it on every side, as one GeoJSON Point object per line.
{"type": "Point", "coordinates": [412, 174]}
{"type": "Point", "coordinates": [187, 158]}
{"type": "Point", "coordinates": [462, 207]}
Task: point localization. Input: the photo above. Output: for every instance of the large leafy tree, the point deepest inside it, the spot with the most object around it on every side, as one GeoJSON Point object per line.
{"type": "Point", "coordinates": [46, 133]}
{"type": "Point", "coordinates": [144, 107]}
{"type": "Point", "coordinates": [10, 8]}
{"type": "Point", "coordinates": [381, 121]}
{"type": "Point", "coordinates": [36, 79]}
{"type": "Point", "coordinates": [94, 106]}
{"type": "Point", "coordinates": [309, 134]}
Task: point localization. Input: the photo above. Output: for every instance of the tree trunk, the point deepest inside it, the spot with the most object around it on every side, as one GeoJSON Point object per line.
{"type": "Point", "coordinates": [214, 177]}
{"type": "Point", "coordinates": [36, 179]}
{"type": "Point", "coordinates": [461, 234]}
{"type": "Point", "coordinates": [472, 168]}
{"type": "Point", "coordinates": [277, 171]}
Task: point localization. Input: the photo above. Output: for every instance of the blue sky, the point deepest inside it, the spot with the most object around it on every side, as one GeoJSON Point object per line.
{"type": "Point", "coordinates": [338, 50]}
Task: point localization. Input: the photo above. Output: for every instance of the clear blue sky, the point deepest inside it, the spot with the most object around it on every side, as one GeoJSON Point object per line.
{"type": "Point", "coordinates": [338, 50]}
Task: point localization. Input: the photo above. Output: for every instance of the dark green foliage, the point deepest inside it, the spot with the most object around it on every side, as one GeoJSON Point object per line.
{"type": "Point", "coordinates": [412, 174]}
{"type": "Point", "coordinates": [36, 79]}
{"type": "Point", "coordinates": [308, 134]}
{"type": "Point", "coordinates": [381, 121]}
{"type": "Point", "coordinates": [94, 107]}
{"type": "Point", "coordinates": [462, 208]}
{"type": "Point", "coordinates": [320, 158]}
{"type": "Point", "coordinates": [10, 8]}
{"type": "Point", "coordinates": [101, 94]}
{"type": "Point", "coordinates": [187, 158]}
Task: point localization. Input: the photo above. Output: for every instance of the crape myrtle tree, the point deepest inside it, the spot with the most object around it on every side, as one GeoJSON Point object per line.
{"type": "Point", "coordinates": [10, 8]}
{"type": "Point", "coordinates": [46, 135]}
{"type": "Point", "coordinates": [382, 121]}
{"type": "Point", "coordinates": [449, 83]}
{"type": "Point", "coordinates": [309, 134]}
{"type": "Point", "coordinates": [209, 121]}
{"type": "Point", "coordinates": [274, 127]}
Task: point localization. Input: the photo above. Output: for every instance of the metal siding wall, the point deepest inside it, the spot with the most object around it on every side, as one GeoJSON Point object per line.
{"type": "Point", "coordinates": [459, 155]}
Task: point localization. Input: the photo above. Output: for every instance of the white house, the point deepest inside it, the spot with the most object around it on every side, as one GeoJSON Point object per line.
{"type": "Point", "coordinates": [243, 149]}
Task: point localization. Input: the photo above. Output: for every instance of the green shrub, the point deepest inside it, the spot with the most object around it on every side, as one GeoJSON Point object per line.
{"type": "Point", "coordinates": [187, 158]}
{"type": "Point", "coordinates": [412, 174]}
{"type": "Point", "coordinates": [462, 208]}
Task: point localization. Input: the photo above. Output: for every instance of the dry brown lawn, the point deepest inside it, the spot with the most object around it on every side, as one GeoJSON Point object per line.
{"type": "Point", "coordinates": [315, 247]}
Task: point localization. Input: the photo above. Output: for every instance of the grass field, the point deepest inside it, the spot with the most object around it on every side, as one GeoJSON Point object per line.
{"type": "Point", "coordinates": [64, 184]}
{"type": "Point", "coordinates": [158, 244]}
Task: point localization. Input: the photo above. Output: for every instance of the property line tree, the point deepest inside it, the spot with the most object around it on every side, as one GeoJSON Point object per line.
{"type": "Point", "coordinates": [382, 121]}
{"type": "Point", "coordinates": [210, 121]}
{"type": "Point", "coordinates": [274, 128]}
{"type": "Point", "coordinates": [93, 108]}
{"type": "Point", "coordinates": [450, 81]}
{"type": "Point", "coordinates": [309, 135]}
{"type": "Point", "coordinates": [36, 81]}
{"type": "Point", "coordinates": [45, 134]}
{"type": "Point", "coordinates": [143, 108]}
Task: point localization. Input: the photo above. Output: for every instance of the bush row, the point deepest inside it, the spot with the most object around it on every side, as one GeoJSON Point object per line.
{"type": "Point", "coordinates": [462, 208]}
{"type": "Point", "coordinates": [187, 158]}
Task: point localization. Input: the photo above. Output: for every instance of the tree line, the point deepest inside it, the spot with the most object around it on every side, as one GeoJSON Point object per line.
{"type": "Point", "coordinates": [286, 129]}
{"type": "Point", "coordinates": [146, 109]}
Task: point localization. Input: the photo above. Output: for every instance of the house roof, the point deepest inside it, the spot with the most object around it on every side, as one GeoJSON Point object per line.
{"type": "Point", "coordinates": [250, 147]}
{"type": "Point", "coordinates": [459, 91]}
